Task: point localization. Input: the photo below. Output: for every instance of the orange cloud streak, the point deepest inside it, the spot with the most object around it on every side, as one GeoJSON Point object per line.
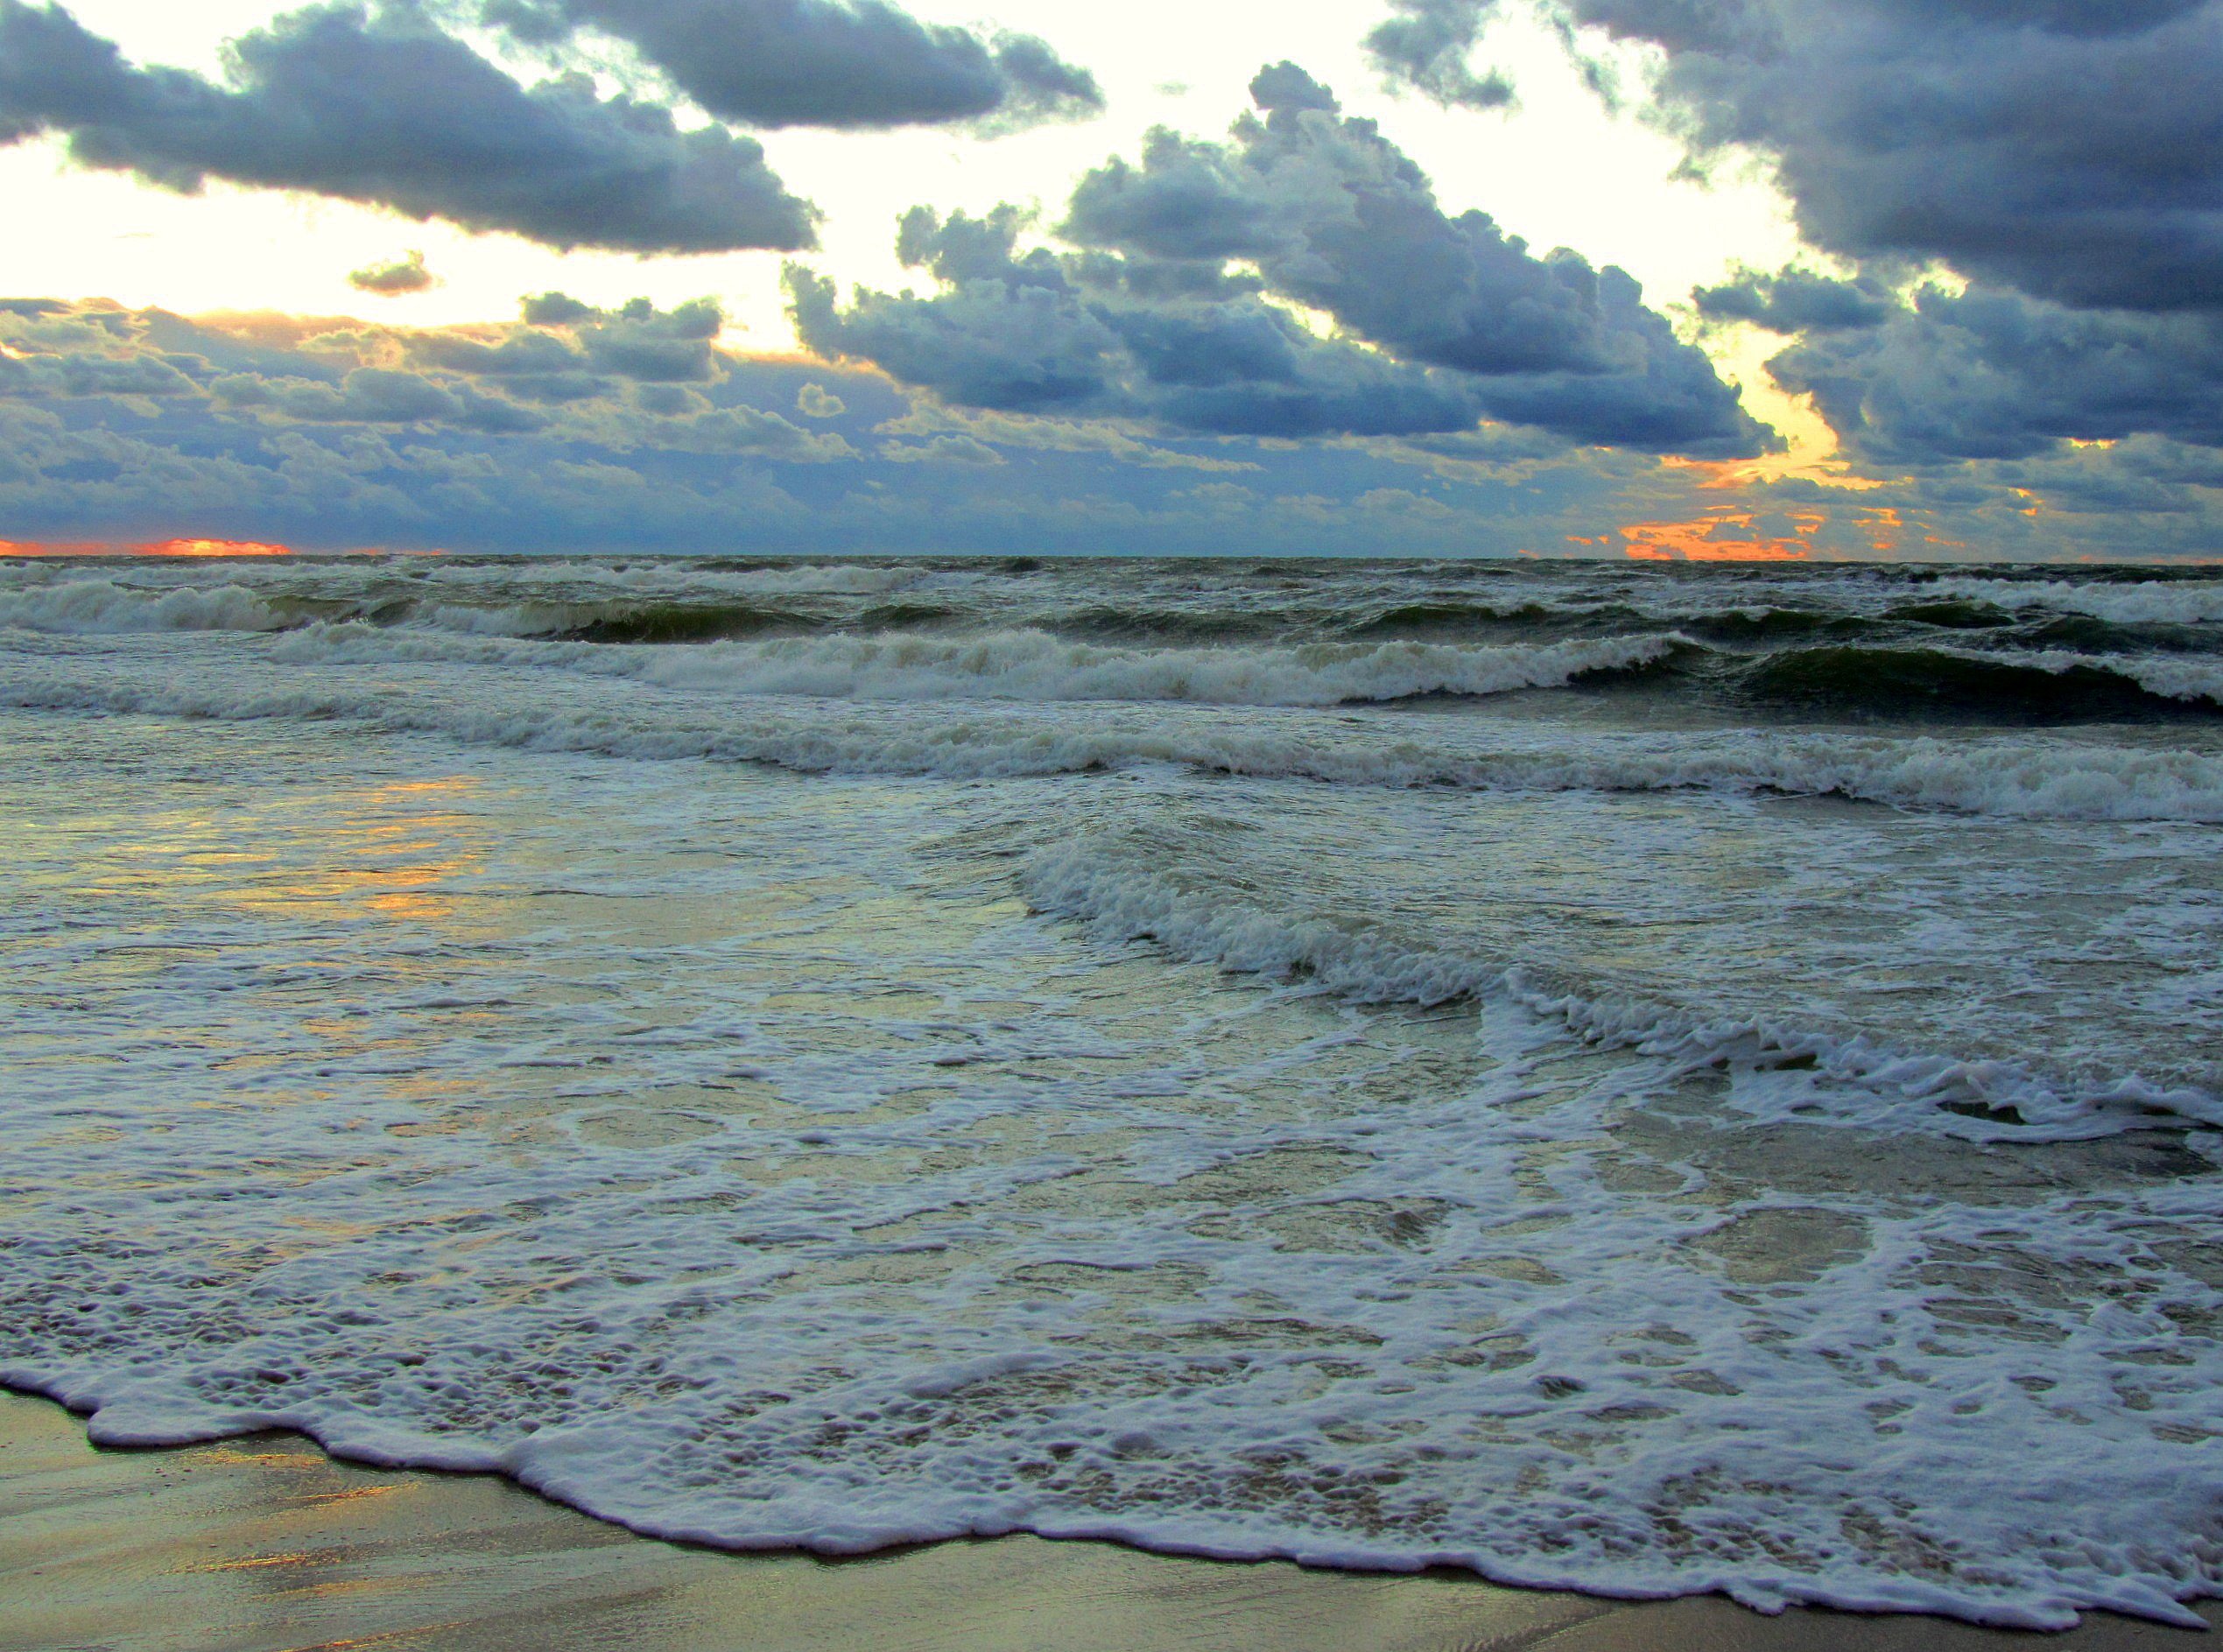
{"type": "Point", "coordinates": [1695, 542]}
{"type": "Point", "coordinates": [155, 548]}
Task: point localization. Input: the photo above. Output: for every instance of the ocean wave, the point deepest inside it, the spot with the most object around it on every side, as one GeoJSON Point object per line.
{"type": "Point", "coordinates": [1138, 887]}
{"type": "Point", "coordinates": [1905, 679]}
{"type": "Point", "coordinates": [2179, 601]}
{"type": "Point", "coordinates": [89, 607]}
{"type": "Point", "coordinates": [2015, 778]}
{"type": "Point", "coordinates": [1028, 665]}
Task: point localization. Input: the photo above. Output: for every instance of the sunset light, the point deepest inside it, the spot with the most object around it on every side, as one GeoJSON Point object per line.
{"type": "Point", "coordinates": [1279, 828]}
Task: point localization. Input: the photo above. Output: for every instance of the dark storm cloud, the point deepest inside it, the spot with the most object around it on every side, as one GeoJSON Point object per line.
{"type": "Point", "coordinates": [385, 108]}
{"type": "Point", "coordinates": [833, 63]}
{"type": "Point", "coordinates": [1425, 45]}
{"type": "Point", "coordinates": [2071, 148]}
{"type": "Point", "coordinates": [1996, 375]}
{"type": "Point", "coordinates": [1452, 320]}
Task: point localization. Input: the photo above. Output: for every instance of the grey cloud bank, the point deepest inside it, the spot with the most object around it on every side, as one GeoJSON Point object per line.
{"type": "Point", "coordinates": [630, 429]}
{"type": "Point", "coordinates": [385, 108]}
{"type": "Point", "coordinates": [1453, 320]}
{"type": "Point", "coordinates": [830, 63]}
{"type": "Point", "coordinates": [2064, 158]}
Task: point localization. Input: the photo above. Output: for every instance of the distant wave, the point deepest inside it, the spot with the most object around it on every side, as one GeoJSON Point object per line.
{"type": "Point", "coordinates": [2007, 778]}
{"type": "Point", "coordinates": [2179, 601]}
{"type": "Point", "coordinates": [1032, 666]}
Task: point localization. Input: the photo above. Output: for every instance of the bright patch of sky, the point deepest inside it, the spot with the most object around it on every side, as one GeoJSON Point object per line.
{"type": "Point", "coordinates": [1558, 169]}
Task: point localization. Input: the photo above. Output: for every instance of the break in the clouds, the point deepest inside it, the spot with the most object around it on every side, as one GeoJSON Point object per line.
{"type": "Point", "coordinates": [2071, 150]}
{"type": "Point", "coordinates": [830, 63]}
{"type": "Point", "coordinates": [384, 107]}
{"type": "Point", "coordinates": [2064, 158]}
{"type": "Point", "coordinates": [1449, 319]}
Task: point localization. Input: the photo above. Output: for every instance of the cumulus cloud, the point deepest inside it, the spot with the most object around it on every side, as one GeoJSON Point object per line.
{"type": "Point", "coordinates": [1425, 45]}
{"type": "Point", "coordinates": [290, 430]}
{"type": "Point", "coordinates": [1797, 301]}
{"type": "Point", "coordinates": [815, 400]}
{"type": "Point", "coordinates": [2066, 158]}
{"type": "Point", "coordinates": [831, 63]}
{"type": "Point", "coordinates": [942, 450]}
{"type": "Point", "coordinates": [402, 274]}
{"type": "Point", "coordinates": [1989, 374]}
{"type": "Point", "coordinates": [384, 107]}
{"type": "Point", "coordinates": [1445, 320]}
{"type": "Point", "coordinates": [2070, 150]}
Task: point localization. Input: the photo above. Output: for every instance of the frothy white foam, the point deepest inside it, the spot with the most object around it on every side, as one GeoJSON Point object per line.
{"type": "Point", "coordinates": [807, 1194]}
{"type": "Point", "coordinates": [89, 607]}
{"type": "Point", "coordinates": [1030, 665]}
{"type": "Point", "coordinates": [2021, 778]}
{"type": "Point", "coordinates": [1126, 891]}
{"type": "Point", "coordinates": [2146, 601]}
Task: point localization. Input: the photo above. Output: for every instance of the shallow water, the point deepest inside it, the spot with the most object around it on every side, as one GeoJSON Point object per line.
{"type": "Point", "coordinates": [1084, 1049]}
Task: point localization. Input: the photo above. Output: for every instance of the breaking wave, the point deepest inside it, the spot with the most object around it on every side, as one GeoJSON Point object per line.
{"type": "Point", "coordinates": [2021, 778]}
{"type": "Point", "coordinates": [1933, 680]}
{"type": "Point", "coordinates": [1032, 666]}
{"type": "Point", "coordinates": [2145, 601]}
{"type": "Point", "coordinates": [1140, 887]}
{"type": "Point", "coordinates": [86, 607]}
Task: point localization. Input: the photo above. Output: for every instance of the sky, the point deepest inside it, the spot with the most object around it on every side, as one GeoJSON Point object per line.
{"type": "Point", "coordinates": [1925, 279]}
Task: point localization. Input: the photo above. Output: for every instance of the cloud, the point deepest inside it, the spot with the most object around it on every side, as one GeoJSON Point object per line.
{"type": "Point", "coordinates": [280, 429]}
{"type": "Point", "coordinates": [815, 400]}
{"type": "Point", "coordinates": [1797, 301]}
{"type": "Point", "coordinates": [1443, 319]}
{"type": "Point", "coordinates": [941, 450]}
{"type": "Point", "coordinates": [556, 309]}
{"type": "Point", "coordinates": [1425, 45]}
{"type": "Point", "coordinates": [829, 63]}
{"type": "Point", "coordinates": [1997, 374]}
{"type": "Point", "coordinates": [2070, 150]}
{"type": "Point", "coordinates": [403, 275]}
{"type": "Point", "coordinates": [385, 108]}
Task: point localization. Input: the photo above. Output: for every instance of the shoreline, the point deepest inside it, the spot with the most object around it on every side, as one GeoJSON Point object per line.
{"type": "Point", "coordinates": [263, 1542]}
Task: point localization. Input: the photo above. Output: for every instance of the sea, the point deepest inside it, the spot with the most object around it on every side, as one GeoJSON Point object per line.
{"type": "Point", "coordinates": [1639, 1079]}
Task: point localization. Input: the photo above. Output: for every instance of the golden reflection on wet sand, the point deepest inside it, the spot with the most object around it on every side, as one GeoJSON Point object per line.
{"type": "Point", "coordinates": [264, 1544]}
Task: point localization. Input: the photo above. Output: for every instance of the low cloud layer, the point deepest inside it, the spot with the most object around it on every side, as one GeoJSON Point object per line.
{"type": "Point", "coordinates": [1995, 375]}
{"type": "Point", "coordinates": [830, 63]}
{"type": "Point", "coordinates": [1449, 319]}
{"type": "Point", "coordinates": [385, 108]}
{"type": "Point", "coordinates": [586, 428]}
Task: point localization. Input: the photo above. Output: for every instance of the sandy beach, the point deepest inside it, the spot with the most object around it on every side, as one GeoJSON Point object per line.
{"type": "Point", "coordinates": [265, 1543]}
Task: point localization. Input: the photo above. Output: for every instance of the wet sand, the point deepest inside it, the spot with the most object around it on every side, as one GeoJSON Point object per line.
{"type": "Point", "coordinates": [264, 1542]}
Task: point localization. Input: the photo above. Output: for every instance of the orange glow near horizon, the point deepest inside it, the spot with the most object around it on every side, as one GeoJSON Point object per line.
{"type": "Point", "coordinates": [1695, 542]}
{"type": "Point", "coordinates": [151, 548]}
{"type": "Point", "coordinates": [211, 548]}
